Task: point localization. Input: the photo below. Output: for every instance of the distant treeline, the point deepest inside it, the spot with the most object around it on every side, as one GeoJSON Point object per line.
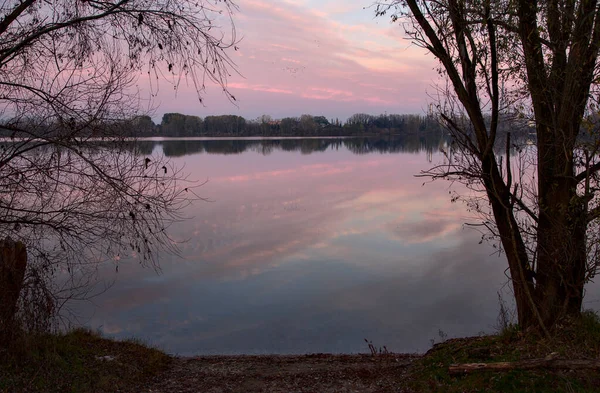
{"type": "Point", "coordinates": [179, 125]}
{"type": "Point", "coordinates": [232, 126]}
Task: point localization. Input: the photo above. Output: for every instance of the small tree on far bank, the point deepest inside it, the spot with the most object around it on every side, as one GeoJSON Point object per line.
{"type": "Point", "coordinates": [69, 74]}
{"type": "Point", "coordinates": [537, 59]}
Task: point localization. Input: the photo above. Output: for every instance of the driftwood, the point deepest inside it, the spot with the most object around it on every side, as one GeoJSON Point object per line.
{"type": "Point", "coordinates": [575, 364]}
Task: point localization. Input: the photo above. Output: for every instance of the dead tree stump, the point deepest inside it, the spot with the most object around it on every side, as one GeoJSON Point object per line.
{"type": "Point", "coordinates": [13, 262]}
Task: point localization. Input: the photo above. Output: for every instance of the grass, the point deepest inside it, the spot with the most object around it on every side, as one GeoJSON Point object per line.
{"type": "Point", "coordinates": [577, 339]}
{"type": "Point", "coordinates": [73, 362]}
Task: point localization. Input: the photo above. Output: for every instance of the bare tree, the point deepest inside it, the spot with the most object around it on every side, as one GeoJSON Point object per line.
{"type": "Point", "coordinates": [535, 60]}
{"type": "Point", "coordinates": [68, 76]}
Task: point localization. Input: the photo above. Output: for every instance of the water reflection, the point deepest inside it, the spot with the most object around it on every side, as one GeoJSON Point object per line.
{"type": "Point", "coordinates": [302, 253]}
{"type": "Point", "coordinates": [361, 145]}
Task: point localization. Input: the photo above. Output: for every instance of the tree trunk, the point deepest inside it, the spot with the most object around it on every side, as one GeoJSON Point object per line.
{"type": "Point", "coordinates": [561, 252]}
{"type": "Point", "coordinates": [559, 100]}
{"type": "Point", "coordinates": [512, 243]}
{"type": "Point", "coordinates": [13, 262]}
{"type": "Point", "coordinates": [516, 255]}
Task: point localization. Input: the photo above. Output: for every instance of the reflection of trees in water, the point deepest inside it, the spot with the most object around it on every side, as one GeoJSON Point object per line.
{"type": "Point", "coordinates": [394, 145]}
{"type": "Point", "coordinates": [139, 147]}
{"type": "Point", "coordinates": [144, 147]}
{"type": "Point", "coordinates": [180, 148]}
{"type": "Point", "coordinates": [356, 145]}
{"type": "Point", "coordinates": [363, 145]}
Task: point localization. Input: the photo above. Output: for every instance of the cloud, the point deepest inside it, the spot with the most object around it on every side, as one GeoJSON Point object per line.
{"type": "Point", "coordinates": [267, 89]}
{"type": "Point", "coordinates": [298, 57]}
{"type": "Point", "coordinates": [290, 60]}
{"type": "Point", "coordinates": [284, 47]}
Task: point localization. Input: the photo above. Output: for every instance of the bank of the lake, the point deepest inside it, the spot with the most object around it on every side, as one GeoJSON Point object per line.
{"type": "Point", "coordinates": [85, 362]}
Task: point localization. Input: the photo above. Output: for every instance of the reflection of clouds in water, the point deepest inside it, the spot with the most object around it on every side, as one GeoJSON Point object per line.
{"type": "Point", "coordinates": [311, 171]}
{"type": "Point", "coordinates": [454, 290]}
{"type": "Point", "coordinates": [137, 295]}
{"type": "Point", "coordinates": [424, 231]}
{"type": "Point", "coordinates": [333, 309]}
{"type": "Point", "coordinates": [299, 259]}
{"type": "Point", "coordinates": [111, 328]}
{"type": "Point", "coordinates": [376, 198]}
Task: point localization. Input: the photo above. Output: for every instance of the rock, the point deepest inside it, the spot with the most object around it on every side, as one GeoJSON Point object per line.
{"type": "Point", "coordinates": [106, 358]}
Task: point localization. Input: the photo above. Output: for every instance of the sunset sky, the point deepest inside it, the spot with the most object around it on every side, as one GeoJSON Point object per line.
{"type": "Point", "coordinates": [322, 57]}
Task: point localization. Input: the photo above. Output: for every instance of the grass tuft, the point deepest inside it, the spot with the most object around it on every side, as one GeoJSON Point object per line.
{"type": "Point", "coordinates": [575, 339]}
{"type": "Point", "coordinates": [78, 361]}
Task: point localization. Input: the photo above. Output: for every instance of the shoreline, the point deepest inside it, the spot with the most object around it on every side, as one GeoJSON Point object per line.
{"type": "Point", "coordinates": [326, 373]}
{"type": "Point", "coordinates": [83, 361]}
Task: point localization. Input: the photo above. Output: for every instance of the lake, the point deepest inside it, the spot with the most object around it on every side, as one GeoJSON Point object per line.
{"type": "Point", "coordinates": [308, 246]}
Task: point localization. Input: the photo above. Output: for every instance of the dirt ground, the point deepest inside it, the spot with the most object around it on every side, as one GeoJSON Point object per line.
{"type": "Point", "coordinates": [310, 373]}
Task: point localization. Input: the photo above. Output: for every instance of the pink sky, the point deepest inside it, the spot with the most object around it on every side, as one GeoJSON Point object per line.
{"type": "Point", "coordinates": [325, 57]}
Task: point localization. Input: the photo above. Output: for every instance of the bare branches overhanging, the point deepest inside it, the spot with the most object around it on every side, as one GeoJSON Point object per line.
{"type": "Point", "coordinates": [70, 75]}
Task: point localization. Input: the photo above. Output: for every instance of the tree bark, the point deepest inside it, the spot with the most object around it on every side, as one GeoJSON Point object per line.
{"type": "Point", "coordinates": [548, 277]}
{"type": "Point", "coordinates": [13, 263]}
{"type": "Point", "coordinates": [514, 247]}
{"type": "Point", "coordinates": [561, 249]}
{"type": "Point", "coordinates": [559, 95]}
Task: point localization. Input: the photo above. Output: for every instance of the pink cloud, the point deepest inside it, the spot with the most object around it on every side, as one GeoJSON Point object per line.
{"type": "Point", "coordinates": [284, 47]}
{"type": "Point", "coordinates": [378, 100]}
{"type": "Point", "coordinates": [297, 59]}
{"type": "Point", "coordinates": [258, 88]}
{"type": "Point", "coordinates": [333, 92]}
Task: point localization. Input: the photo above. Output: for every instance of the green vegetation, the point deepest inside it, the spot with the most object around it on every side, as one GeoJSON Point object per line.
{"type": "Point", "coordinates": [79, 361]}
{"type": "Point", "coordinates": [575, 339]}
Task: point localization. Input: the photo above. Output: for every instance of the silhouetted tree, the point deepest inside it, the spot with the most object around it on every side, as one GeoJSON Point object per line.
{"type": "Point", "coordinates": [176, 124]}
{"type": "Point", "coordinates": [538, 59]}
{"type": "Point", "coordinates": [142, 126]}
{"type": "Point", "coordinates": [68, 70]}
{"type": "Point", "coordinates": [321, 121]}
{"type": "Point", "coordinates": [307, 125]}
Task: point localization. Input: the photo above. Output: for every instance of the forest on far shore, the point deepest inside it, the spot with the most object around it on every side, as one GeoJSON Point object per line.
{"type": "Point", "coordinates": [180, 125]}
{"type": "Point", "coordinates": [186, 126]}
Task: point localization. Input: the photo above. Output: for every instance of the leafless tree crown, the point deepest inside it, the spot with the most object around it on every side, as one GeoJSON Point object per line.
{"type": "Point", "coordinates": [529, 66]}
{"type": "Point", "coordinates": [69, 74]}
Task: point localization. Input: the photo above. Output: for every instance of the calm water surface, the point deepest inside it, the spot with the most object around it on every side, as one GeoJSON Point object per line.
{"type": "Point", "coordinates": [309, 246]}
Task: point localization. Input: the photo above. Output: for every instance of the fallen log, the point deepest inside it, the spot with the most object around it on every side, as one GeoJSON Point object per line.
{"type": "Point", "coordinates": [565, 364]}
